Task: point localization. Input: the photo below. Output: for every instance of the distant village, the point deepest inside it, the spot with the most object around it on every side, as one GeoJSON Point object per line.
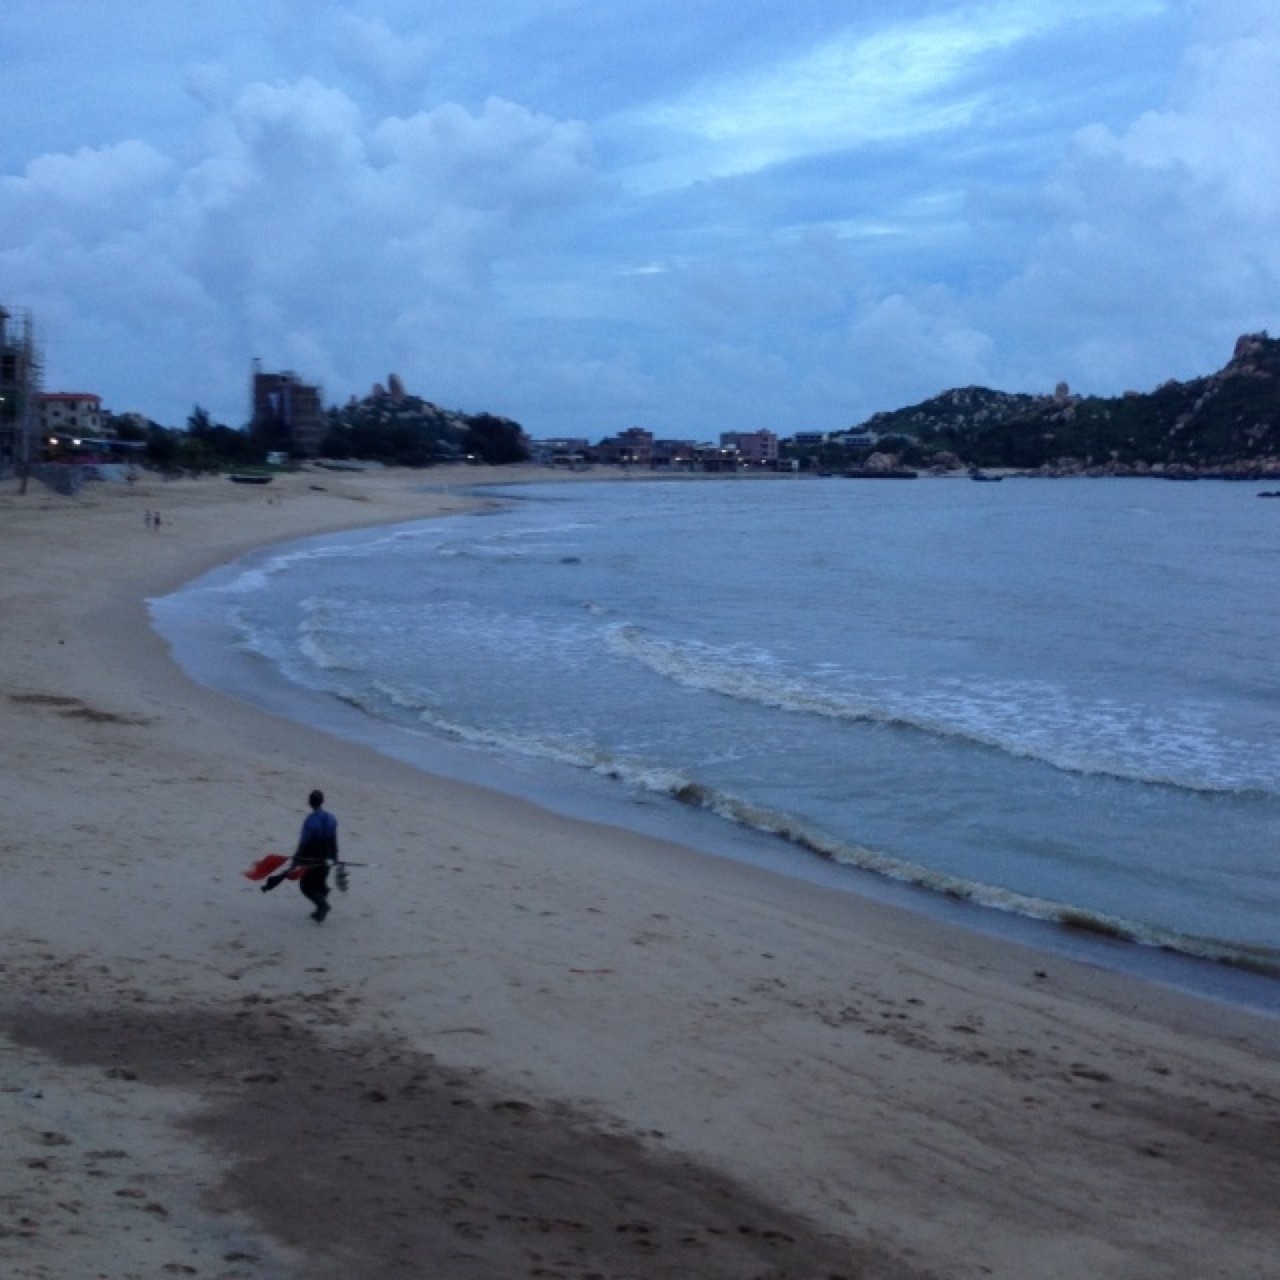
{"type": "Point", "coordinates": [1226, 424]}
{"type": "Point", "coordinates": [289, 422]}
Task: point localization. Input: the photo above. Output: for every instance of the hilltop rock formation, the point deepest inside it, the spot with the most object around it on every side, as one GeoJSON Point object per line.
{"type": "Point", "coordinates": [390, 425]}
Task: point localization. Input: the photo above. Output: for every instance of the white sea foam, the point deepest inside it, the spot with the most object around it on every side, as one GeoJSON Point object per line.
{"type": "Point", "coordinates": [1177, 747]}
{"type": "Point", "coordinates": [805, 835]}
{"type": "Point", "coordinates": [316, 636]}
{"type": "Point", "coordinates": [534, 746]}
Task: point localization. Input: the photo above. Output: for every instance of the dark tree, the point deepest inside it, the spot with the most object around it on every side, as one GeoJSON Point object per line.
{"type": "Point", "coordinates": [494, 440]}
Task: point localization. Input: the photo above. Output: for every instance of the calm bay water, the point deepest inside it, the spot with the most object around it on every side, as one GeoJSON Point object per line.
{"type": "Point", "coordinates": [1057, 699]}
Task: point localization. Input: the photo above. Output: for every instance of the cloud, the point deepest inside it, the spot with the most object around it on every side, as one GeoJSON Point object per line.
{"type": "Point", "coordinates": [1166, 231]}
{"type": "Point", "coordinates": [864, 84]}
{"type": "Point", "coordinates": [302, 126]}
{"type": "Point", "coordinates": [77, 191]}
{"type": "Point", "coordinates": [502, 155]}
{"type": "Point", "coordinates": [1224, 138]}
{"type": "Point", "coordinates": [390, 58]}
{"type": "Point", "coordinates": [302, 233]}
{"type": "Point", "coordinates": [207, 82]}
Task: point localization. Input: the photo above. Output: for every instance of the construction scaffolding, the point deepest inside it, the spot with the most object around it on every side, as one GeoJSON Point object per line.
{"type": "Point", "coordinates": [20, 380]}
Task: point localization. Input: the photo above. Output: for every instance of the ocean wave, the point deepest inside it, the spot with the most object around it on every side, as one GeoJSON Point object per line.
{"type": "Point", "coordinates": [258, 575]}
{"type": "Point", "coordinates": [317, 636]}
{"type": "Point", "coordinates": [262, 642]}
{"type": "Point", "coordinates": [533, 746]}
{"type": "Point", "coordinates": [1036, 721]}
{"type": "Point", "coordinates": [250, 582]}
{"type": "Point", "coordinates": [547, 543]}
{"type": "Point", "coordinates": [812, 840]}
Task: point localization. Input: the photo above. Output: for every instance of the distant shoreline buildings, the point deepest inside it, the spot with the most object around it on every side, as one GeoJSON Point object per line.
{"type": "Point", "coordinates": [636, 447]}
{"type": "Point", "coordinates": [1225, 423]}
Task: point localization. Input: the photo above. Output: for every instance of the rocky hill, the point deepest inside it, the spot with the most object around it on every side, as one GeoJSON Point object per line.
{"type": "Point", "coordinates": [390, 425]}
{"type": "Point", "coordinates": [954, 410]}
{"type": "Point", "coordinates": [1225, 424]}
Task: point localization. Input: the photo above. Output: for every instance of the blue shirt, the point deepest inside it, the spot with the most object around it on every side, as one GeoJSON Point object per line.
{"type": "Point", "coordinates": [318, 840]}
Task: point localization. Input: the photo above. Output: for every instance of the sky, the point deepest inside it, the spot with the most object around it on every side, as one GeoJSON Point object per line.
{"type": "Point", "coordinates": [692, 216]}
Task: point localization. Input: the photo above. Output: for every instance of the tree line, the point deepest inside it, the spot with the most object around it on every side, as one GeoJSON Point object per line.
{"type": "Point", "coordinates": [413, 434]}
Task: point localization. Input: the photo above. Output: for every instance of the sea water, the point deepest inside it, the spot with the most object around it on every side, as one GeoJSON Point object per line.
{"type": "Point", "coordinates": [1052, 699]}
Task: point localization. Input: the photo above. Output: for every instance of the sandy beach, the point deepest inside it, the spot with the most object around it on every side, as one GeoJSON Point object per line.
{"type": "Point", "coordinates": [521, 1045]}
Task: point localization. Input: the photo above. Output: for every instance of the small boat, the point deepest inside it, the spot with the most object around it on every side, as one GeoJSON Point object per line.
{"type": "Point", "coordinates": [982, 478]}
{"type": "Point", "coordinates": [1270, 493]}
{"type": "Point", "coordinates": [239, 478]}
{"type": "Point", "coordinates": [871, 473]}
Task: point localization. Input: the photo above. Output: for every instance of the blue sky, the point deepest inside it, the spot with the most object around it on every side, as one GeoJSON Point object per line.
{"type": "Point", "coordinates": [693, 217]}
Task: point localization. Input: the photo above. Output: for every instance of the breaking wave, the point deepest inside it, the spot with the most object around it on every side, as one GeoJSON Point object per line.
{"type": "Point", "coordinates": [680, 787]}
{"type": "Point", "coordinates": [1036, 721]}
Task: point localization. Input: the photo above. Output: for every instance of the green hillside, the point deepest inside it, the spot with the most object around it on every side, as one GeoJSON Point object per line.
{"type": "Point", "coordinates": [1228, 422]}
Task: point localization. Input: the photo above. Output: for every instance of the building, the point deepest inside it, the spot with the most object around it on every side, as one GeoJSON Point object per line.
{"type": "Point", "coordinates": [19, 383]}
{"type": "Point", "coordinates": [719, 457]}
{"type": "Point", "coordinates": [287, 412]}
{"type": "Point", "coordinates": [68, 414]}
{"type": "Point", "coordinates": [675, 455]}
{"type": "Point", "coordinates": [861, 438]}
{"type": "Point", "coordinates": [560, 451]}
{"type": "Point", "coordinates": [809, 439]}
{"type": "Point", "coordinates": [755, 448]}
{"type": "Point", "coordinates": [630, 448]}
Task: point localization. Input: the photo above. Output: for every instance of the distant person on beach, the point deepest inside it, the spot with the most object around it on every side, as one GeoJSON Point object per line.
{"type": "Point", "coordinates": [317, 852]}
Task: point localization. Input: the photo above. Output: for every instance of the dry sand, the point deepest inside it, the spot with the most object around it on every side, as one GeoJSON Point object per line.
{"type": "Point", "coordinates": [521, 1045]}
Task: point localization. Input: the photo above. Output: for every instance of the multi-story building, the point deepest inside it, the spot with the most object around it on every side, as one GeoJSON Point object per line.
{"type": "Point", "coordinates": [810, 439]}
{"type": "Point", "coordinates": [287, 412]}
{"type": "Point", "coordinates": [755, 448]}
{"type": "Point", "coordinates": [68, 414]}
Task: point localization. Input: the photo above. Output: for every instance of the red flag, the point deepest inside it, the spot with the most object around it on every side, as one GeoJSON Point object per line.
{"type": "Point", "coordinates": [265, 866]}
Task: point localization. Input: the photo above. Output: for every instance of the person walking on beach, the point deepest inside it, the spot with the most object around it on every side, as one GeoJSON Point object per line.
{"type": "Point", "coordinates": [317, 852]}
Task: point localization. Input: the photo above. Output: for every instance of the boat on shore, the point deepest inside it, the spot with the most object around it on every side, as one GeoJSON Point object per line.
{"type": "Point", "coordinates": [241, 478]}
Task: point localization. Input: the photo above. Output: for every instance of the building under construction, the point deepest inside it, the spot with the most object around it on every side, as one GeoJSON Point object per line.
{"type": "Point", "coordinates": [19, 386]}
{"type": "Point", "coordinates": [287, 412]}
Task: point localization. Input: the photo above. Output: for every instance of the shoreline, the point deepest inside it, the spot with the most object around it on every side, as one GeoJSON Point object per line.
{"type": "Point", "coordinates": [199, 642]}
{"type": "Point", "coordinates": [1207, 965]}
{"type": "Point", "coordinates": [845, 1060]}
